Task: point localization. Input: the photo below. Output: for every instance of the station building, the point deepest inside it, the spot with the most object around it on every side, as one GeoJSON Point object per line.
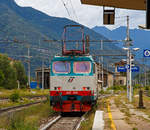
{"type": "Point", "coordinates": [111, 78]}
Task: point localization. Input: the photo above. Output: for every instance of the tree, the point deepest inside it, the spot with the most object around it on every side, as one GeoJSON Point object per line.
{"type": "Point", "coordinates": [8, 72]}
{"type": "Point", "coordinates": [20, 72]}
{"type": "Point", "coordinates": [1, 78]}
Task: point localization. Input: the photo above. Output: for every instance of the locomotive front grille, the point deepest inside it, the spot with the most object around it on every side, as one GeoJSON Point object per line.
{"type": "Point", "coordinates": [72, 98]}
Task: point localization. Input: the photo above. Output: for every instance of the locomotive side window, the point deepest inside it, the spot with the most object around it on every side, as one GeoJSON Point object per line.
{"type": "Point", "coordinates": [93, 68]}
{"type": "Point", "coordinates": [61, 67]}
{"type": "Point", "coordinates": [82, 67]}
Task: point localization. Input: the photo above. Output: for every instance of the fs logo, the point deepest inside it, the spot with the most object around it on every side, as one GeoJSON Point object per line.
{"type": "Point", "coordinates": [70, 80]}
{"type": "Point", "coordinates": [146, 53]}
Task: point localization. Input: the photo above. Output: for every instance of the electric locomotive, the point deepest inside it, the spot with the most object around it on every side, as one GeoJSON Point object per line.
{"type": "Point", "coordinates": [73, 79]}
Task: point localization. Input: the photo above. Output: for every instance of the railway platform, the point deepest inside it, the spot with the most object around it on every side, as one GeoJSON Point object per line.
{"type": "Point", "coordinates": [119, 114]}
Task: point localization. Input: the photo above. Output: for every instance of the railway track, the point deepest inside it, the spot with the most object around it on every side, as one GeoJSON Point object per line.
{"type": "Point", "coordinates": [16, 108]}
{"type": "Point", "coordinates": [32, 97]}
{"type": "Point", "coordinates": [67, 122]}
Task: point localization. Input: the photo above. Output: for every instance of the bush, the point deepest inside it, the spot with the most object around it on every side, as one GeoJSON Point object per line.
{"type": "Point", "coordinates": [15, 97]}
{"type": "Point", "coordinates": [147, 88]}
{"type": "Point", "coordinates": [23, 86]}
{"type": "Point", "coordinates": [102, 91]}
{"type": "Point", "coordinates": [137, 86]}
{"type": "Point", "coordinates": [115, 88]}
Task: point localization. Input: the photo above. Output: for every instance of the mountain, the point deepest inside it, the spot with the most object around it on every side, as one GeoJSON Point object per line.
{"type": "Point", "coordinates": [140, 37]}
{"type": "Point", "coordinates": [32, 27]}
{"type": "Point", "coordinates": [103, 30]}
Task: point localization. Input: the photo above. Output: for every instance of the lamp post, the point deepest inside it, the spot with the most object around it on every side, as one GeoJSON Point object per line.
{"type": "Point", "coordinates": [130, 77]}
{"type": "Point", "coordinates": [129, 72]}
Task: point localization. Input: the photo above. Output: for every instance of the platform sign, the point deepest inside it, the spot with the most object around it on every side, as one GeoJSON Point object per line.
{"type": "Point", "coordinates": [135, 68]}
{"type": "Point", "coordinates": [124, 68]}
{"type": "Point", "coordinates": [146, 53]}
{"type": "Point", "coordinates": [121, 69]}
{"type": "Point", "coordinates": [127, 66]}
{"type": "Point", "coordinates": [33, 85]}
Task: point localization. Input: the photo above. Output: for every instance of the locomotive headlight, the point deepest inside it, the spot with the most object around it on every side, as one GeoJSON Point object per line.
{"type": "Point", "coordinates": [58, 88]}
{"type": "Point", "coordinates": [86, 88]}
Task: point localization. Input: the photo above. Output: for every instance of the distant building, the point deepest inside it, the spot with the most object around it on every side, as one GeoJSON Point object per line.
{"type": "Point", "coordinates": [120, 78]}
{"type": "Point", "coordinates": [38, 73]}
{"type": "Point", "coordinates": [108, 77]}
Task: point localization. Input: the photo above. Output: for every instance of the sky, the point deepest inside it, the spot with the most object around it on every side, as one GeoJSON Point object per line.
{"type": "Point", "coordinates": [87, 15]}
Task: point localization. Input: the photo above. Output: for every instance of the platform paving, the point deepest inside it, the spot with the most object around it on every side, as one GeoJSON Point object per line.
{"type": "Point", "coordinates": [118, 118]}
{"type": "Point", "coordinates": [98, 121]}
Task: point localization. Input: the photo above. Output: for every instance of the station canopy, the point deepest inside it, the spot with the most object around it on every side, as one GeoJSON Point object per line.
{"type": "Point", "coordinates": [125, 4]}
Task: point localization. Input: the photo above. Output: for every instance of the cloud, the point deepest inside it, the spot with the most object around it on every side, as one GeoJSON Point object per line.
{"type": "Point", "coordinates": [85, 14]}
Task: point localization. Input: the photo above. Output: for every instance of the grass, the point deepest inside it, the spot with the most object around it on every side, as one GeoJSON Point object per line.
{"type": "Point", "coordinates": [88, 122]}
{"type": "Point", "coordinates": [135, 129]}
{"type": "Point", "coordinates": [103, 104]}
{"type": "Point", "coordinates": [19, 97]}
{"type": "Point", "coordinates": [27, 119]}
{"type": "Point", "coordinates": [122, 107]}
{"type": "Point", "coordinates": [89, 119]}
{"type": "Point", "coordinates": [19, 102]}
{"type": "Point", "coordinates": [23, 92]}
{"type": "Point", "coordinates": [146, 102]}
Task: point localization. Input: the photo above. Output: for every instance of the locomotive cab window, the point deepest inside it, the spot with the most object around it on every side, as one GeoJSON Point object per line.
{"type": "Point", "coordinates": [82, 67]}
{"type": "Point", "coordinates": [61, 67]}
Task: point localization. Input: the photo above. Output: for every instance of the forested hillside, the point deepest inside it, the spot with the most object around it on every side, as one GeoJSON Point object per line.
{"type": "Point", "coordinates": [31, 27]}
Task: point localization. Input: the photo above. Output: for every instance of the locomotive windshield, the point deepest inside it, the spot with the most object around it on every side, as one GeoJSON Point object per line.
{"type": "Point", "coordinates": [61, 67]}
{"type": "Point", "coordinates": [82, 67]}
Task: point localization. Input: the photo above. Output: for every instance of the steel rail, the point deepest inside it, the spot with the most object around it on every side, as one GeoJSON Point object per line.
{"type": "Point", "coordinates": [29, 97]}
{"type": "Point", "coordinates": [85, 40]}
{"type": "Point", "coordinates": [15, 108]}
{"type": "Point", "coordinates": [57, 121]}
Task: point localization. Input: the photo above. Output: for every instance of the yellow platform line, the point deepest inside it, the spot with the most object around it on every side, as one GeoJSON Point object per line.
{"type": "Point", "coordinates": [110, 116]}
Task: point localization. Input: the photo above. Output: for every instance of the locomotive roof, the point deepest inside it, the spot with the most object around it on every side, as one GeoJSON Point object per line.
{"type": "Point", "coordinates": [73, 58]}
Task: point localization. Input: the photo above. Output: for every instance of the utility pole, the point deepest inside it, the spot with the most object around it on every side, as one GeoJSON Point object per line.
{"type": "Point", "coordinates": [18, 84]}
{"type": "Point", "coordinates": [129, 64]}
{"type": "Point", "coordinates": [102, 65]}
{"type": "Point", "coordinates": [145, 72]}
{"type": "Point", "coordinates": [107, 73]}
{"type": "Point", "coordinates": [28, 46]}
{"type": "Point", "coordinates": [139, 77]}
{"type": "Point", "coordinates": [42, 67]}
{"type": "Point", "coordinates": [130, 77]}
{"type": "Point", "coordinates": [99, 66]}
{"type": "Point", "coordinates": [128, 55]}
{"type": "Point", "coordinates": [43, 73]}
{"type": "Point", "coordinates": [129, 71]}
